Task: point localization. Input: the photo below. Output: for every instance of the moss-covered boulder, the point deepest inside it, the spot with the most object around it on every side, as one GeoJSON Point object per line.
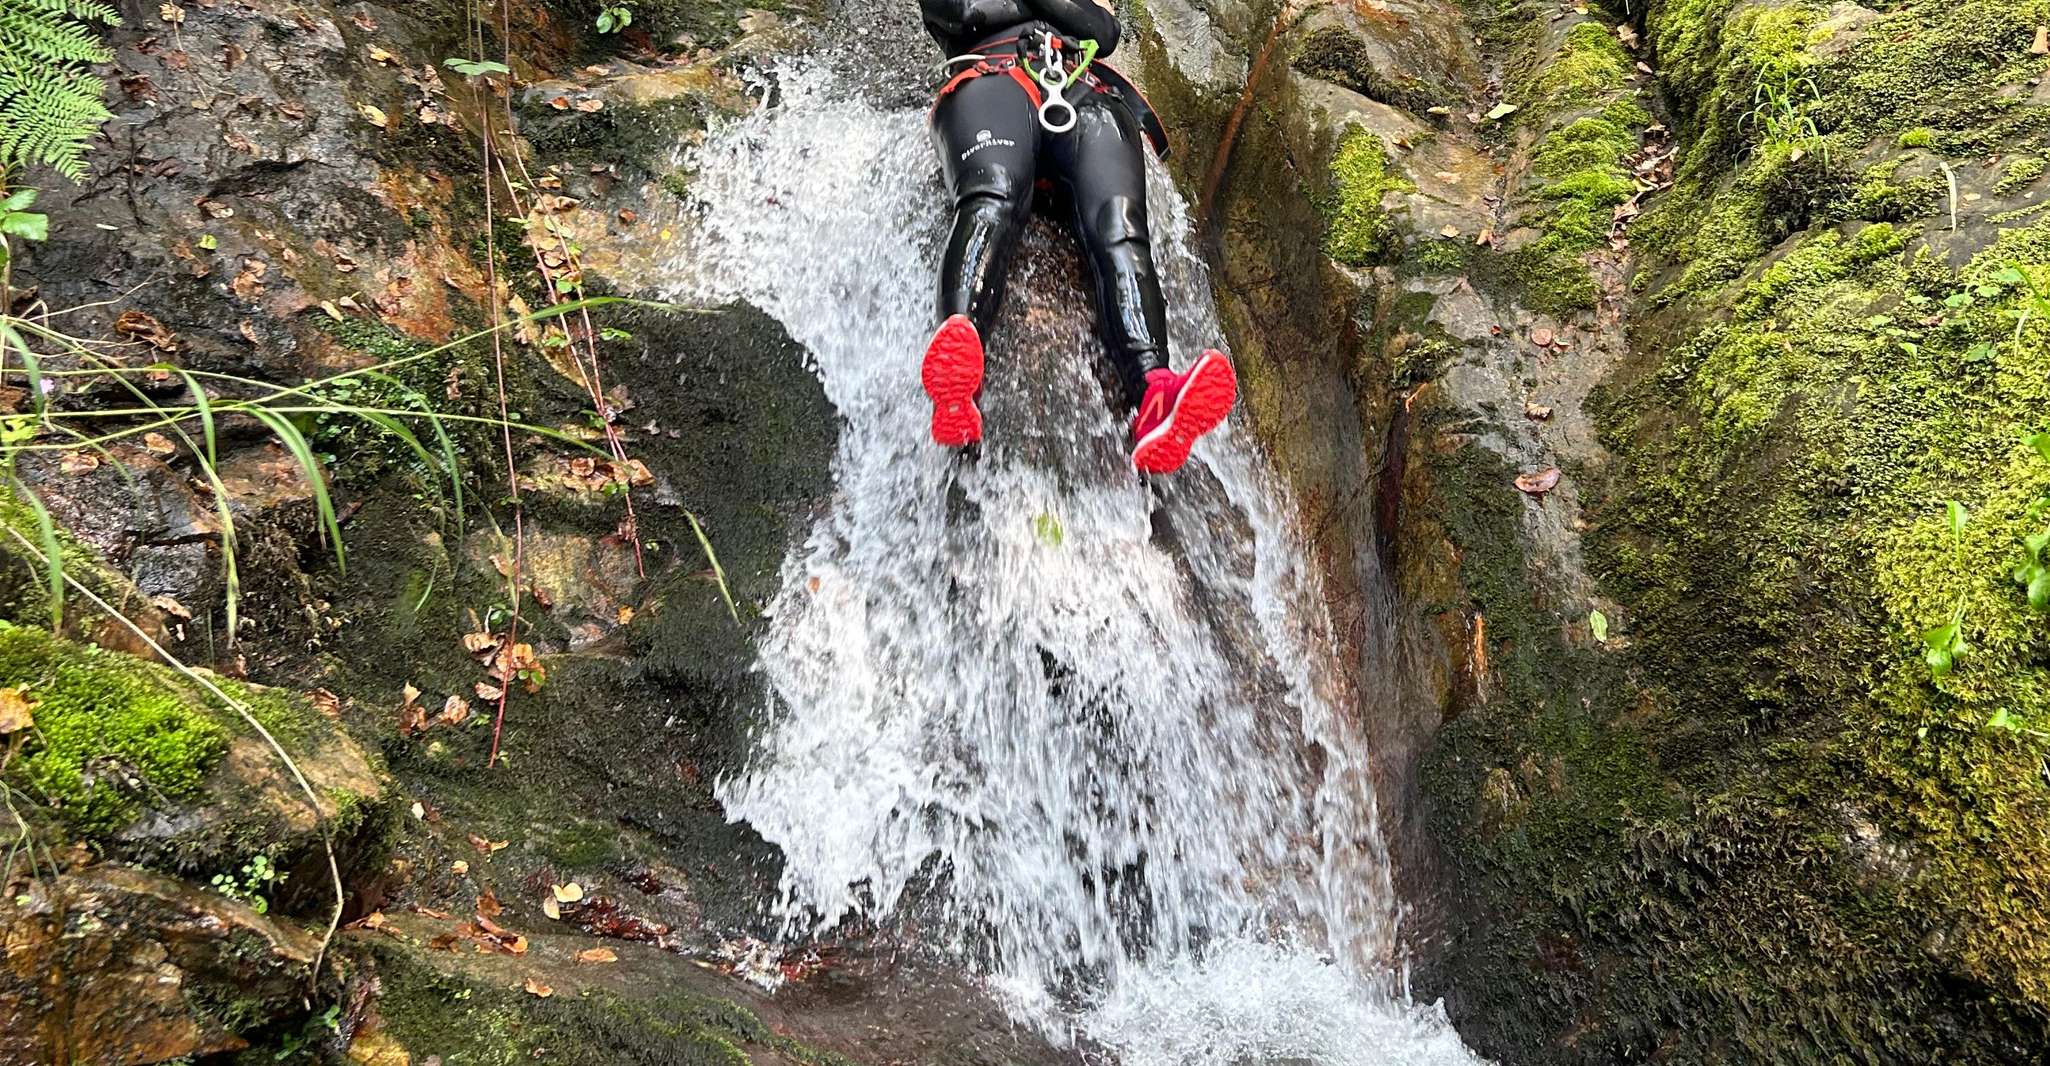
{"type": "Point", "coordinates": [142, 763]}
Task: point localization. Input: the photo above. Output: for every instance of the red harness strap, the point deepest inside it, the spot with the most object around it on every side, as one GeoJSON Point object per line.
{"type": "Point", "coordinates": [1001, 65]}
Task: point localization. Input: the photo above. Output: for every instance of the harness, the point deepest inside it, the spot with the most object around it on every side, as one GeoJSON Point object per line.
{"type": "Point", "coordinates": [1063, 65]}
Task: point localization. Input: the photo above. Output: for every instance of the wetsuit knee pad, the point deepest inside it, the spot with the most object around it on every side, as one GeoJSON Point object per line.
{"type": "Point", "coordinates": [1119, 220]}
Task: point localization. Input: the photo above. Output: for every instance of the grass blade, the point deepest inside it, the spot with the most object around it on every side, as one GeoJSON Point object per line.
{"type": "Point", "coordinates": [718, 571]}
{"type": "Point", "coordinates": [295, 442]}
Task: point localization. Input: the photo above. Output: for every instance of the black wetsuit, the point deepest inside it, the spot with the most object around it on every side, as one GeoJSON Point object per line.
{"type": "Point", "coordinates": [992, 146]}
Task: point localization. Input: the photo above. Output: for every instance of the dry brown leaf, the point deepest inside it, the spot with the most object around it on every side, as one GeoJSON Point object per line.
{"type": "Point", "coordinates": [625, 615]}
{"type": "Point", "coordinates": [489, 693]}
{"type": "Point", "coordinates": [588, 106]}
{"type": "Point", "coordinates": [1542, 337]}
{"type": "Point", "coordinates": [560, 103]}
{"type": "Point", "coordinates": [379, 55]}
{"type": "Point", "coordinates": [79, 463]}
{"type": "Point", "coordinates": [160, 446]}
{"type": "Point", "coordinates": [1537, 412]}
{"type": "Point", "coordinates": [364, 22]}
{"type": "Point", "coordinates": [248, 282]}
{"type": "Point", "coordinates": [1541, 482]}
{"type": "Point", "coordinates": [488, 905]}
{"type": "Point", "coordinates": [171, 607]}
{"type": "Point", "coordinates": [2042, 42]}
{"type": "Point", "coordinates": [478, 644]}
{"type": "Point", "coordinates": [455, 711]}
{"type": "Point", "coordinates": [171, 13]}
{"type": "Point", "coordinates": [536, 988]}
{"type": "Point", "coordinates": [375, 115]}
{"type": "Point", "coordinates": [460, 867]}
{"type": "Point", "coordinates": [569, 893]}
{"type": "Point", "coordinates": [328, 308]}
{"type": "Point", "coordinates": [15, 712]}
{"type": "Point", "coordinates": [326, 702]}
{"type": "Point", "coordinates": [552, 909]}
{"type": "Point", "coordinates": [596, 955]}
{"type": "Point", "coordinates": [628, 216]}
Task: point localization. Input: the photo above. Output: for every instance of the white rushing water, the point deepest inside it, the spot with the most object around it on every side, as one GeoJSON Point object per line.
{"type": "Point", "coordinates": [1091, 726]}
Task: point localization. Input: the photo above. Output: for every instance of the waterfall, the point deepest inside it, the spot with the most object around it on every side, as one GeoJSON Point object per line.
{"type": "Point", "coordinates": [1091, 729]}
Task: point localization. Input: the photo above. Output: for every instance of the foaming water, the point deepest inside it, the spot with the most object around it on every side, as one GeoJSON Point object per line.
{"type": "Point", "coordinates": [1090, 728]}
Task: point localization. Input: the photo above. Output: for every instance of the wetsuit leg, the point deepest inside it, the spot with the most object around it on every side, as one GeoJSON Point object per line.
{"type": "Point", "coordinates": [1102, 161]}
{"type": "Point", "coordinates": [987, 134]}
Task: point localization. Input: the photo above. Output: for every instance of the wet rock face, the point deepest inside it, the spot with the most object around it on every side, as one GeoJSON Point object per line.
{"type": "Point", "coordinates": [114, 966]}
{"type": "Point", "coordinates": [1646, 407]}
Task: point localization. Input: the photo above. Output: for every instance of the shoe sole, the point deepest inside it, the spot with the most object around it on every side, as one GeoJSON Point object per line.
{"type": "Point", "coordinates": [1204, 402]}
{"type": "Point", "coordinates": [953, 378]}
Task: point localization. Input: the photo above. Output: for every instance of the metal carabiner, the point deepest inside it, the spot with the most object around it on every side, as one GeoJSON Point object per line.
{"type": "Point", "coordinates": [1052, 76]}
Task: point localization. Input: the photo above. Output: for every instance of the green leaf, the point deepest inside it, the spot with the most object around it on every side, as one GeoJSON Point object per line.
{"type": "Point", "coordinates": [2011, 276]}
{"type": "Point", "coordinates": [471, 68]}
{"type": "Point", "coordinates": [1960, 299]}
{"type": "Point", "coordinates": [209, 242]}
{"type": "Point", "coordinates": [26, 225]}
{"type": "Point", "coordinates": [1940, 662]}
{"type": "Point", "coordinates": [1502, 111]}
{"type": "Point", "coordinates": [2003, 720]}
{"type": "Point", "coordinates": [1599, 623]}
{"type": "Point", "coordinates": [1981, 353]}
{"type": "Point", "coordinates": [1048, 529]}
{"type": "Point", "coordinates": [1989, 291]}
{"type": "Point", "coordinates": [2039, 591]}
{"type": "Point", "coordinates": [2040, 442]}
{"type": "Point", "coordinates": [1958, 517]}
{"type": "Point", "coordinates": [20, 200]}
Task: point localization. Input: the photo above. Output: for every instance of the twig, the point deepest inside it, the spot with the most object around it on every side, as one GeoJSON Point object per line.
{"type": "Point", "coordinates": [1229, 138]}
{"type": "Point", "coordinates": [334, 868]}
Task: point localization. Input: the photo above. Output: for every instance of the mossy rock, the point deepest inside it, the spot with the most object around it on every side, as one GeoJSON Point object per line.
{"type": "Point", "coordinates": [141, 763]}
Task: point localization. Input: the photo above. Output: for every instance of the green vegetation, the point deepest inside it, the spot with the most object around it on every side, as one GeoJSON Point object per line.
{"type": "Point", "coordinates": [1590, 65]}
{"type": "Point", "coordinates": [50, 97]}
{"type": "Point", "coordinates": [1582, 174]}
{"type": "Point", "coordinates": [111, 732]}
{"type": "Point", "coordinates": [1359, 231]}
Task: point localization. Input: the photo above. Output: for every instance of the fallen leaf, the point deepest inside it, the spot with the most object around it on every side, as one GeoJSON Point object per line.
{"type": "Point", "coordinates": [375, 115]}
{"type": "Point", "coordinates": [79, 463]}
{"type": "Point", "coordinates": [551, 908]}
{"type": "Point", "coordinates": [419, 812]}
{"type": "Point", "coordinates": [487, 904]}
{"type": "Point", "coordinates": [379, 55]}
{"type": "Point", "coordinates": [15, 713]}
{"type": "Point", "coordinates": [1449, 231]}
{"type": "Point", "coordinates": [2042, 42]}
{"type": "Point", "coordinates": [238, 142]}
{"type": "Point", "coordinates": [171, 607]}
{"type": "Point", "coordinates": [455, 711]}
{"type": "Point", "coordinates": [411, 694]}
{"type": "Point", "coordinates": [536, 988]}
{"type": "Point", "coordinates": [1449, 177]}
{"type": "Point", "coordinates": [460, 867]}
{"type": "Point", "coordinates": [569, 893]}
{"type": "Point", "coordinates": [1599, 624]}
{"type": "Point", "coordinates": [248, 282]}
{"type": "Point", "coordinates": [627, 216]}
{"type": "Point", "coordinates": [1502, 111]}
{"type": "Point", "coordinates": [160, 446]}
{"type": "Point", "coordinates": [171, 13]}
{"type": "Point", "coordinates": [625, 615]}
{"type": "Point", "coordinates": [328, 307]}
{"type": "Point", "coordinates": [1537, 412]}
{"type": "Point", "coordinates": [364, 22]}
{"type": "Point", "coordinates": [248, 330]}
{"type": "Point", "coordinates": [588, 106]}
{"type": "Point", "coordinates": [489, 693]}
{"type": "Point", "coordinates": [215, 209]}
{"type": "Point", "coordinates": [597, 955]}
{"type": "Point", "coordinates": [148, 331]}
{"type": "Point", "coordinates": [478, 644]}
{"type": "Point", "coordinates": [1541, 482]}
{"type": "Point", "coordinates": [560, 103]}
{"type": "Point", "coordinates": [326, 702]}
{"type": "Point", "coordinates": [1542, 337]}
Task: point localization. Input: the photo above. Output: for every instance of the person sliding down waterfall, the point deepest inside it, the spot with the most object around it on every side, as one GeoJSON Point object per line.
{"type": "Point", "coordinates": [1026, 86]}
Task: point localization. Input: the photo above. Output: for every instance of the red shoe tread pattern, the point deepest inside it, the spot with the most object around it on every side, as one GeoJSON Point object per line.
{"type": "Point", "coordinates": [952, 375]}
{"type": "Point", "coordinates": [1202, 405]}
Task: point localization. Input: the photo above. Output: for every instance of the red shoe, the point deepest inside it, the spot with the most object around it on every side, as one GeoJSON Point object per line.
{"type": "Point", "coordinates": [953, 378]}
{"type": "Point", "coordinates": [1179, 408]}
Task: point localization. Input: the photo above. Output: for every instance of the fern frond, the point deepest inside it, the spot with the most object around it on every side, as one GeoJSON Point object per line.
{"type": "Point", "coordinates": [51, 102]}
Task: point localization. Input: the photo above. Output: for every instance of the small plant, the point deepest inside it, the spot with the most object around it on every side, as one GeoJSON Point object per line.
{"type": "Point", "coordinates": [1782, 110]}
{"type": "Point", "coordinates": [1946, 643]}
{"type": "Point", "coordinates": [473, 68]}
{"type": "Point", "coordinates": [2033, 572]}
{"type": "Point", "coordinates": [258, 878]}
{"type": "Point", "coordinates": [50, 97]}
{"type": "Point", "coordinates": [615, 18]}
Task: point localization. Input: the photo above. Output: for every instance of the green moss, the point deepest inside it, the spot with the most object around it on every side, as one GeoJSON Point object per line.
{"type": "Point", "coordinates": [1881, 197]}
{"type": "Point", "coordinates": [1440, 255]}
{"type": "Point", "coordinates": [1584, 175]}
{"type": "Point", "coordinates": [1919, 137]}
{"type": "Point", "coordinates": [1338, 56]}
{"type": "Point", "coordinates": [111, 732]}
{"type": "Point", "coordinates": [2020, 173]}
{"type": "Point", "coordinates": [1590, 64]}
{"type": "Point", "coordinates": [1359, 231]}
